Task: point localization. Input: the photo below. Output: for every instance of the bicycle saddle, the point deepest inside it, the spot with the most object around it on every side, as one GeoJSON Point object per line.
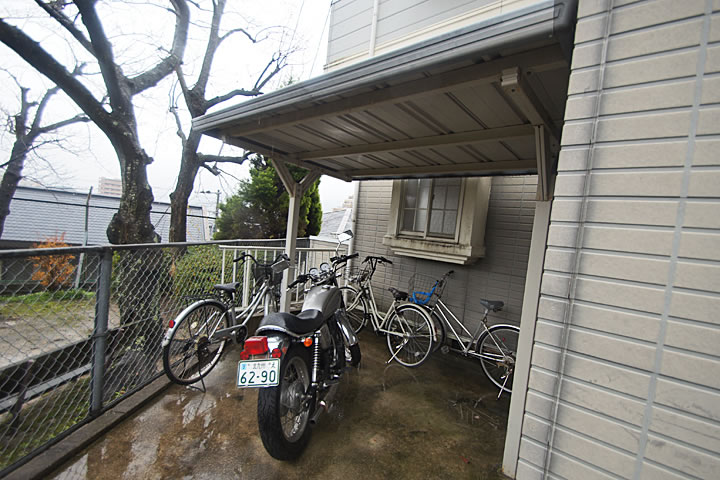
{"type": "Point", "coordinates": [398, 294]}
{"type": "Point", "coordinates": [301, 324]}
{"type": "Point", "coordinates": [227, 287]}
{"type": "Point", "coordinates": [494, 305]}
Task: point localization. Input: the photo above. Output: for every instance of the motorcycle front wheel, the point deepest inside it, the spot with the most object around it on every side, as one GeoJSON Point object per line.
{"type": "Point", "coordinates": [284, 411]}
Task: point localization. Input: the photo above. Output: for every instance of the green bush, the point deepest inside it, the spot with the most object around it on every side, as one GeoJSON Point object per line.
{"type": "Point", "coordinates": [197, 270]}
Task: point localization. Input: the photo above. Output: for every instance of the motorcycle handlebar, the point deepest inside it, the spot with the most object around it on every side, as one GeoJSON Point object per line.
{"type": "Point", "coordinates": [300, 279]}
{"type": "Point", "coordinates": [343, 258]}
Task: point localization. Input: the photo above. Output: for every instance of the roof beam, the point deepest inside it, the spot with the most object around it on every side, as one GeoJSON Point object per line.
{"type": "Point", "coordinates": [475, 136]}
{"type": "Point", "coordinates": [479, 168]}
{"type": "Point", "coordinates": [519, 92]}
{"type": "Point", "coordinates": [541, 59]}
{"type": "Point", "coordinates": [279, 155]}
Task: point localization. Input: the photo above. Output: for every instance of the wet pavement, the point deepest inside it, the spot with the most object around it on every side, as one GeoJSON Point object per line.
{"type": "Point", "coordinates": [440, 420]}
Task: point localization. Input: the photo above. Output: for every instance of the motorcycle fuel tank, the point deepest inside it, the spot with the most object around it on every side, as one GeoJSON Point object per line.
{"type": "Point", "coordinates": [325, 298]}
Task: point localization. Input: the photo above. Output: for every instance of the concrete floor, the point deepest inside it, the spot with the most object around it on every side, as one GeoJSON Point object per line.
{"type": "Point", "coordinates": [440, 420]}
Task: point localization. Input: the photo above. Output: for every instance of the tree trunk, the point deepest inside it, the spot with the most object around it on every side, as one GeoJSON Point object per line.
{"type": "Point", "coordinates": [10, 179]}
{"type": "Point", "coordinates": [189, 167]}
{"type": "Point", "coordinates": [131, 223]}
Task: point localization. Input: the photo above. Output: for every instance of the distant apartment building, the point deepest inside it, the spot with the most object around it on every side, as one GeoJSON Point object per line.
{"type": "Point", "coordinates": [111, 187]}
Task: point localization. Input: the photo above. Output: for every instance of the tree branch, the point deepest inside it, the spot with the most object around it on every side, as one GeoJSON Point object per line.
{"type": "Point", "coordinates": [151, 77]}
{"type": "Point", "coordinates": [238, 30]}
{"type": "Point", "coordinates": [235, 93]}
{"type": "Point", "coordinates": [68, 121]}
{"type": "Point", "coordinates": [44, 63]}
{"type": "Point", "coordinates": [180, 132]}
{"type": "Point", "coordinates": [212, 46]}
{"type": "Point", "coordinates": [53, 10]}
{"type": "Point", "coordinates": [114, 80]}
{"type": "Point", "coordinates": [41, 108]}
{"type": "Point", "coordinates": [279, 62]}
{"type": "Point", "coordinates": [223, 158]}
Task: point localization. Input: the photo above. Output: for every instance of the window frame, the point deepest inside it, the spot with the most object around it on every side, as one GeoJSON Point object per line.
{"type": "Point", "coordinates": [425, 234]}
{"type": "Point", "coordinates": [468, 244]}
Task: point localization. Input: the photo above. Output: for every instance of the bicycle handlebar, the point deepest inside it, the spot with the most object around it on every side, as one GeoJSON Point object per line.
{"type": "Point", "coordinates": [380, 259]}
{"type": "Point", "coordinates": [244, 255]}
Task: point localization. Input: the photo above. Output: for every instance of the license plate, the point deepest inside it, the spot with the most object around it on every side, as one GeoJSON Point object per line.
{"type": "Point", "coordinates": [258, 373]}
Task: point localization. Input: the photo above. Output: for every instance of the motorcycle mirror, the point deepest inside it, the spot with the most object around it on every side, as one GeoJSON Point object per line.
{"type": "Point", "coordinates": [345, 236]}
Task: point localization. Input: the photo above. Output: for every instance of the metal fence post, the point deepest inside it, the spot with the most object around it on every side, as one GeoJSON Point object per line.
{"type": "Point", "coordinates": [102, 310]}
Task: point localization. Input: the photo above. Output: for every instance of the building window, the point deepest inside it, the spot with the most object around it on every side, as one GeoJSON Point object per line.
{"type": "Point", "coordinates": [431, 207]}
{"type": "Point", "coordinates": [440, 219]}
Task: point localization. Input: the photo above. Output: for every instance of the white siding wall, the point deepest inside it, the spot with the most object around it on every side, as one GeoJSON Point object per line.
{"type": "Point", "coordinates": [401, 22]}
{"type": "Point", "coordinates": [633, 242]}
{"type": "Point", "coordinates": [498, 276]}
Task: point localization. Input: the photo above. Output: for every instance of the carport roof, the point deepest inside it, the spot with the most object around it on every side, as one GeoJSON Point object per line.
{"type": "Point", "coordinates": [485, 99]}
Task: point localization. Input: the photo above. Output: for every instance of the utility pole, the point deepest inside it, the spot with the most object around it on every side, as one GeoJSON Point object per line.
{"type": "Point", "coordinates": [78, 270]}
{"type": "Point", "coordinates": [217, 207]}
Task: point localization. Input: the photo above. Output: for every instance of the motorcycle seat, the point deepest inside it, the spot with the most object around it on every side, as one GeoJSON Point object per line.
{"type": "Point", "coordinates": [304, 323]}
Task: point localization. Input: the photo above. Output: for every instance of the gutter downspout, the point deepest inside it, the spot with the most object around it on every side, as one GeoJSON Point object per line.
{"type": "Point", "coordinates": [373, 28]}
{"type": "Point", "coordinates": [353, 224]}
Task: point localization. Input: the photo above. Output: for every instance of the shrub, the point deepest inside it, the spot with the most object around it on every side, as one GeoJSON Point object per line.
{"type": "Point", "coordinates": [53, 271]}
{"type": "Point", "coordinates": [197, 270]}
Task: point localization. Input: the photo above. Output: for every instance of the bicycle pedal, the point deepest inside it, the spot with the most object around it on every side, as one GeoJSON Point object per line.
{"type": "Point", "coordinates": [445, 349]}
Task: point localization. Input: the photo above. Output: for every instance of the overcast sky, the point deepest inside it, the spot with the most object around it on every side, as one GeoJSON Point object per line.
{"type": "Point", "coordinates": [88, 155]}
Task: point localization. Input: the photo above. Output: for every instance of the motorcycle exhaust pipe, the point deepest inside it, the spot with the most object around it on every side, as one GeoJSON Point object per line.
{"type": "Point", "coordinates": [323, 405]}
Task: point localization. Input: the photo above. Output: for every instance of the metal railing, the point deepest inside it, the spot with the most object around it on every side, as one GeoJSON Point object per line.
{"type": "Point", "coordinates": [76, 338]}
{"type": "Point", "coordinates": [305, 258]}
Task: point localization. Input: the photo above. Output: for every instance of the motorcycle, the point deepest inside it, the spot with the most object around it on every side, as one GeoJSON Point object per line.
{"type": "Point", "coordinates": [297, 361]}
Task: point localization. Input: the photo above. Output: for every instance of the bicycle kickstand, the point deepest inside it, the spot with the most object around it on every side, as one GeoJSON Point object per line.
{"type": "Point", "coordinates": [397, 351]}
{"type": "Point", "coordinates": [503, 386]}
{"type": "Point", "coordinates": [203, 389]}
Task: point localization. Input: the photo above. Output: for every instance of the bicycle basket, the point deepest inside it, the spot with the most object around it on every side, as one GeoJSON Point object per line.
{"type": "Point", "coordinates": [359, 274]}
{"type": "Point", "coordinates": [273, 272]}
{"type": "Point", "coordinates": [424, 289]}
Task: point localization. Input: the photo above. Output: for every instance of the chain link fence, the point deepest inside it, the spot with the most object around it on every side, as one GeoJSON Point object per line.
{"type": "Point", "coordinates": [81, 328]}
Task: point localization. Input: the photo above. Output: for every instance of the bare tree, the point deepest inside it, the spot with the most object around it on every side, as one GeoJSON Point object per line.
{"type": "Point", "coordinates": [27, 133]}
{"type": "Point", "coordinates": [197, 104]}
{"type": "Point", "coordinates": [131, 224]}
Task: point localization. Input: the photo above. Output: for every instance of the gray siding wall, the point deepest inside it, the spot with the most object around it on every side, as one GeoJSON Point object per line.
{"type": "Point", "coordinates": [634, 243]}
{"type": "Point", "coordinates": [350, 21]}
{"type": "Point", "coordinates": [498, 276]}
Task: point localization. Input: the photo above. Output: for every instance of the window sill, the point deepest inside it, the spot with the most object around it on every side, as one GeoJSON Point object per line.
{"type": "Point", "coordinates": [434, 250]}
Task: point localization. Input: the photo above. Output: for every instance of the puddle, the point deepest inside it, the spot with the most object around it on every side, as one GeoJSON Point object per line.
{"type": "Point", "coordinates": [439, 420]}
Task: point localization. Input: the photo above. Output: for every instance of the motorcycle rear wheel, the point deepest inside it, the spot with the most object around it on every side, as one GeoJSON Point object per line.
{"type": "Point", "coordinates": [284, 411]}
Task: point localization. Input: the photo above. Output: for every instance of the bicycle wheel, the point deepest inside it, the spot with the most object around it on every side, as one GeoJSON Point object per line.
{"type": "Point", "coordinates": [356, 307]}
{"type": "Point", "coordinates": [191, 353]}
{"type": "Point", "coordinates": [409, 336]}
{"type": "Point", "coordinates": [497, 349]}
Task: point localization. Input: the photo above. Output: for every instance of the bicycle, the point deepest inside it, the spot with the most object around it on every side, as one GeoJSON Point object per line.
{"type": "Point", "coordinates": [197, 337]}
{"type": "Point", "coordinates": [407, 327]}
{"type": "Point", "coordinates": [495, 346]}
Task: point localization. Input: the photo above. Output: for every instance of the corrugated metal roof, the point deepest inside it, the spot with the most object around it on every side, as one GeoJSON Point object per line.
{"type": "Point", "coordinates": [485, 99]}
{"type": "Point", "coordinates": [36, 214]}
